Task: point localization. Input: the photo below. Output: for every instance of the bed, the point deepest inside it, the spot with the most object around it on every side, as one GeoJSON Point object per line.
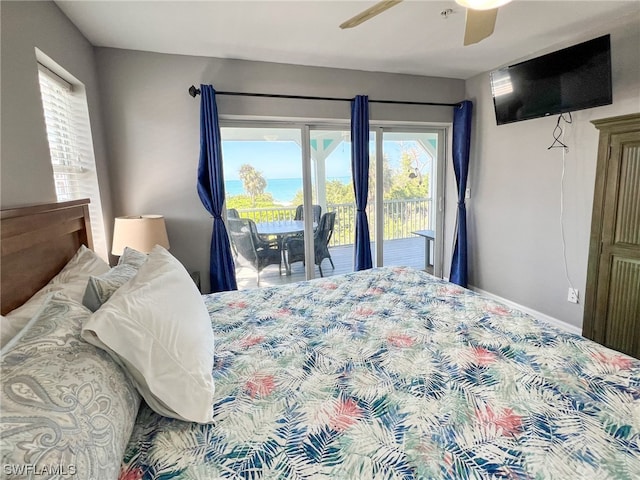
{"type": "Point", "coordinates": [390, 374]}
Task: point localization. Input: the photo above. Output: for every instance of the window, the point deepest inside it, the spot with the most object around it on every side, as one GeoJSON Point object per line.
{"type": "Point", "coordinates": [71, 148]}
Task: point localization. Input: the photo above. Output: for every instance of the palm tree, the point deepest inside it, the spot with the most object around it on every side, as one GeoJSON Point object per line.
{"type": "Point", "coordinates": [252, 181]}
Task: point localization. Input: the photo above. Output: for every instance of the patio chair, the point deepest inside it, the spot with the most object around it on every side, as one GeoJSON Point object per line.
{"type": "Point", "coordinates": [233, 213]}
{"type": "Point", "coordinates": [251, 249]}
{"type": "Point", "coordinates": [317, 212]}
{"type": "Point", "coordinates": [294, 246]}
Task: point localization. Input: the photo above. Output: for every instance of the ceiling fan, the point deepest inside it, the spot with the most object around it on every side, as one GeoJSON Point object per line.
{"type": "Point", "coordinates": [480, 20]}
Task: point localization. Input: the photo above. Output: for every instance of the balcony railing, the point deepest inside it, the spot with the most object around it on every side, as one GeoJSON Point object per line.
{"type": "Point", "coordinates": [401, 217]}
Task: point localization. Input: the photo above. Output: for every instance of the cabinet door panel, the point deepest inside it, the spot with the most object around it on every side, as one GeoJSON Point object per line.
{"type": "Point", "coordinates": [627, 228]}
{"type": "Point", "coordinates": [617, 306]}
{"type": "Point", "coordinates": [623, 307]}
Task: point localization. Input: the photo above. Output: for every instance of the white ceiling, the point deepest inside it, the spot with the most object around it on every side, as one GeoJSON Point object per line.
{"type": "Point", "coordinates": [410, 38]}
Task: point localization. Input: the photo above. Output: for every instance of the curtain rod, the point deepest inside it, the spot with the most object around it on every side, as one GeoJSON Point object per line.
{"type": "Point", "coordinates": [193, 91]}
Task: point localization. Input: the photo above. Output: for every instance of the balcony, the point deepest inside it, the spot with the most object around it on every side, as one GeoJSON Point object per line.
{"type": "Point", "coordinates": [401, 247]}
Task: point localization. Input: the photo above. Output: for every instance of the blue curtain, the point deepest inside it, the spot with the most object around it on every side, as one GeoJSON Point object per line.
{"type": "Point", "coordinates": [211, 191]}
{"type": "Point", "coordinates": [460, 147]}
{"type": "Point", "coordinates": [360, 171]}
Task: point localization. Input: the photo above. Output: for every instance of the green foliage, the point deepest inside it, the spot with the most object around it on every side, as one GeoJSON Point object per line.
{"type": "Point", "coordinates": [297, 200]}
{"type": "Point", "coordinates": [387, 175]}
{"type": "Point", "coordinates": [241, 202]}
{"type": "Point", "coordinates": [408, 181]}
{"type": "Point", "coordinates": [337, 192]}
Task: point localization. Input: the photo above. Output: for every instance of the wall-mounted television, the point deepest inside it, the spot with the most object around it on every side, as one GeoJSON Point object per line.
{"type": "Point", "coordinates": [570, 79]}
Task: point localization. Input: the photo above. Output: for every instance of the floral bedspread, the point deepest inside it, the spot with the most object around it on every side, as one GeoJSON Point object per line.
{"type": "Point", "coordinates": [393, 374]}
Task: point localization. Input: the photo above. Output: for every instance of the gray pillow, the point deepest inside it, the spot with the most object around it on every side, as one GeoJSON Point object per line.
{"type": "Point", "coordinates": [132, 257]}
{"type": "Point", "coordinates": [65, 403]}
{"type": "Point", "coordinates": [100, 288]}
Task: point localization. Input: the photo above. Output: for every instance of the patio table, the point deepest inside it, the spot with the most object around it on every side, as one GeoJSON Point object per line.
{"type": "Point", "coordinates": [281, 229]}
{"type": "Point", "coordinates": [429, 236]}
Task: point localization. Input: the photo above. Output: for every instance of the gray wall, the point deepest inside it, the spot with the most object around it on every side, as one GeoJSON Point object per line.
{"type": "Point", "coordinates": [152, 124]}
{"type": "Point", "coordinates": [25, 166]}
{"type": "Point", "coordinates": [514, 211]}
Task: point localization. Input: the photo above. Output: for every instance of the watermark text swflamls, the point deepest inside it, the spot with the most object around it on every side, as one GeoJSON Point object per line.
{"type": "Point", "coordinates": [35, 469]}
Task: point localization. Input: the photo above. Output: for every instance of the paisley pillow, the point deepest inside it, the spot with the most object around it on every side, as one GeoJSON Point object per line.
{"type": "Point", "coordinates": [66, 405]}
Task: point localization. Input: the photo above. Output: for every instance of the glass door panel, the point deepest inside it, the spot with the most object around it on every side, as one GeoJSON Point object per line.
{"type": "Point", "coordinates": [409, 170]}
{"type": "Point", "coordinates": [263, 183]}
{"type": "Point", "coordinates": [332, 187]}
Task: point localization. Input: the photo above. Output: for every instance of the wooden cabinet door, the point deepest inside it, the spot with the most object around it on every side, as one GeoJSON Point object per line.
{"type": "Point", "coordinates": [616, 320]}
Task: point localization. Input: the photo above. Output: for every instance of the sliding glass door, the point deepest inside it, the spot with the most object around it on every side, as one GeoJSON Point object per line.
{"type": "Point", "coordinates": [289, 176]}
{"type": "Point", "coordinates": [408, 210]}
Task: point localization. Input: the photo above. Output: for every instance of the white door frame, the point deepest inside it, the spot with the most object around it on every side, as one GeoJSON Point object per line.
{"type": "Point", "coordinates": [438, 196]}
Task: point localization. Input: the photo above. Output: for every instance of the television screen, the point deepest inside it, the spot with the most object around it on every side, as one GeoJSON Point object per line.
{"type": "Point", "coordinates": [571, 79]}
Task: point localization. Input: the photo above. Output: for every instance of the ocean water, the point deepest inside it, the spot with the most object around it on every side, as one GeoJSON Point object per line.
{"type": "Point", "coordinates": [283, 190]}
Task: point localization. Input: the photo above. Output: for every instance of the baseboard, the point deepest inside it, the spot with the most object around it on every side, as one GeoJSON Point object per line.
{"type": "Point", "coordinates": [534, 313]}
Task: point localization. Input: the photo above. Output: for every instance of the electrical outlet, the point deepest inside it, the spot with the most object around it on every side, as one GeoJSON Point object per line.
{"type": "Point", "coordinates": [573, 296]}
{"type": "Point", "coordinates": [467, 193]}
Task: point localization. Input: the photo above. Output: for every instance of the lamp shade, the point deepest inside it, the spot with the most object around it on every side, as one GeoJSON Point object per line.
{"type": "Point", "coordinates": [140, 232]}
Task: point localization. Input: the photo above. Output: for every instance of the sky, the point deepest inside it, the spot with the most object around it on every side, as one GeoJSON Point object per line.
{"type": "Point", "coordinates": [282, 159]}
{"type": "Point", "coordinates": [279, 159]}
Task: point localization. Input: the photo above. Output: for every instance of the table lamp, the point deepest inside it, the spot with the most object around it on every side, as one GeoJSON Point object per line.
{"type": "Point", "coordinates": [140, 232]}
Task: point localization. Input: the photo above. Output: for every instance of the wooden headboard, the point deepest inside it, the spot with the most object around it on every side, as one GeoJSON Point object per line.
{"type": "Point", "coordinates": [37, 241]}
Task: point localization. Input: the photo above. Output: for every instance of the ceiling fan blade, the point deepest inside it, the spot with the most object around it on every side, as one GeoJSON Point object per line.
{"type": "Point", "coordinates": [369, 13]}
{"type": "Point", "coordinates": [479, 25]}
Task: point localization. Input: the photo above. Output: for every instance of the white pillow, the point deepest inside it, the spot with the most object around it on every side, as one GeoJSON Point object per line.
{"type": "Point", "coordinates": [158, 328]}
{"type": "Point", "coordinates": [72, 280]}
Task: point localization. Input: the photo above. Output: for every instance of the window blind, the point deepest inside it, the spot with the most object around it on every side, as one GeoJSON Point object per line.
{"type": "Point", "coordinates": [63, 143]}
{"type": "Point", "coordinates": [71, 147]}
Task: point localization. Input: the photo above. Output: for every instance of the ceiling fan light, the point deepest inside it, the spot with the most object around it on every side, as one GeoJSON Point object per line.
{"type": "Point", "coordinates": [482, 4]}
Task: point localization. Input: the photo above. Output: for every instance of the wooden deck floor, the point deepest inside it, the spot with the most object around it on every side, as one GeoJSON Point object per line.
{"type": "Point", "coordinates": [406, 251]}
